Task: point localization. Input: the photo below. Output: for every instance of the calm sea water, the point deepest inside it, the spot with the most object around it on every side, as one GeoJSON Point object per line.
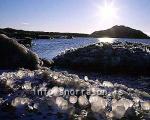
{"type": "Point", "coordinates": [49, 48]}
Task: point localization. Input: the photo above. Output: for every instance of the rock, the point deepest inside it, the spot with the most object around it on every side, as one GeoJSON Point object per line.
{"type": "Point", "coordinates": [15, 55]}
{"type": "Point", "coordinates": [27, 41]}
{"type": "Point", "coordinates": [46, 63]}
{"type": "Point", "coordinates": [107, 58]}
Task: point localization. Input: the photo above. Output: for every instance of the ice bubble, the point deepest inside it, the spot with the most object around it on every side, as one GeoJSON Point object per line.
{"type": "Point", "coordinates": [55, 77]}
{"type": "Point", "coordinates": [108, 84]}
{"type": "Point", "coordinates": [136, 99]}
{"type": "Point", "coordinates": [62, 103]}
{"type": "Point", "coordinates": [20, 74]}
{"type": "Point", "coordinates": [145, 105]}
{"type": "Point", "coordinates": [83, 101]}
{"type": "Point", "coordinates": [27, 85]}
{"type": "Point", "coordinates": [122, 102]}
{"type": "Point", "coordinates": [36, 105]}
{"type": "Point", "coordinates": [86, 78]}
{"type": "Point", "coordinates": [98, 104]}
{"type": "Point", "coordinates": [20, 101]}
{"type": "Point", "coordinates": [93, 99]}
{"type": "Point", "coordinates": [55, 91]}
{"type": "Point", "coordinates": [73, 99]}
{"type": "Point", "coordinates": [119, 112]}
{"type": "Point", "coordinates": [10, 82]}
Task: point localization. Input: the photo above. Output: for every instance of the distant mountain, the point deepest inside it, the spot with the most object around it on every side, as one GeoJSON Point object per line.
{"type": "Point", "coordinates": [120, 32]}
{"type": "Point", "coordinates": [21, 34]}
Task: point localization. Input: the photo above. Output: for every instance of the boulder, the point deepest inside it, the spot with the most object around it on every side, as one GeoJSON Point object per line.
{"type": "Point", "coordinates": [121, 58]}
{"type": "Point", "coordinates": [15, 55]}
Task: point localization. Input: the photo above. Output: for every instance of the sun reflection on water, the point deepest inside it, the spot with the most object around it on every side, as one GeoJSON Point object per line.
{"type": "Point", "coordinates": [109, 40]}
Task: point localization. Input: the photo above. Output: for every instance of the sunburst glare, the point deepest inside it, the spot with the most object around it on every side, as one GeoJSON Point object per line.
{"type": "Point", "coordinates": [108, 11]}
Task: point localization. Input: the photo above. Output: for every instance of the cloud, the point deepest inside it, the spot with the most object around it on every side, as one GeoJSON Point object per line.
{"type": "Point", "coordinates": [25, 23]}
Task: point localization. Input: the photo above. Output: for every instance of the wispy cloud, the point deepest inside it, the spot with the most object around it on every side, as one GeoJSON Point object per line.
{"type": "Point", "coordinates": [25, 23]}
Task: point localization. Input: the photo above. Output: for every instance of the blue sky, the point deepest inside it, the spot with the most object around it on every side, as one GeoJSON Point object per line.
{"type": "Point", "coordinates": [72, 15]}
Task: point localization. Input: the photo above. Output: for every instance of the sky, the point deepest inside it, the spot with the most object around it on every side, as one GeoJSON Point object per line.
{"type": "Point", "coordinates": [80, 16]}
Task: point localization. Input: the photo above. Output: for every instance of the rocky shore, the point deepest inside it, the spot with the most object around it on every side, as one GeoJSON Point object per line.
{"type": "Point", "coordinates": [120, 58]}
{"type": "Point", "coordinates": [22, 97]}
{"type": "Point", "coordinates": [30, 90]}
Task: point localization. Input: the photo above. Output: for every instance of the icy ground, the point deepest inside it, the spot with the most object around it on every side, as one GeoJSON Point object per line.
{"type": "Point", "coordinates": [18, 99]}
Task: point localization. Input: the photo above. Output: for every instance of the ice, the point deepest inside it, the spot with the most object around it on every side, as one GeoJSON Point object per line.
{"type": "Point", "coordinates": [108, 84]}
{"type": "Point", "coordinates": [122, 102]}
{"type": "Point", "coordinates": [73, 99]}
{"type": "Point", "coordinates": [62, 103]}
{"type": "Point", "coordinates": [20, 101]}
{"type": "Point", "coordinates": [27, 85]}
{"type": "Point", "coordinates": [122, 98]}
{"type": "Point", "coordinates": [10, 83]}
{"type": "Point", "coordinates": [83, 101]}
{"type": "Point", "coordinates": [86, 78]}
{"type": "Point", "coordinates": [55, 91]}
{"type": "Point", "coordinates": [98, 104]}
{"type": "Point", "coordinates": [119, 112]}
{"type": "Point", "coordinates": [145, 105]}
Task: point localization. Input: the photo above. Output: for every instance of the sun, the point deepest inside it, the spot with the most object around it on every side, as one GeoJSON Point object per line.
{"type": "Point", "coordinates": [108, 11]}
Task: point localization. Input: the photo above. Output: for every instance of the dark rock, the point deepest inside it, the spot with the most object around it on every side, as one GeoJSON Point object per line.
{"type": "Point", "coordinates": [15, 55]}
{"type": "Point", "coordinates": [107, 58]}
{"type": "Point", "coordinates": [120, 32]}
{"type": "Point", "coordinates": [46, 63]}
{"type": "Point", "coordinates": [44, 37]}
{"type": "Point", "coordinates": [27, 41]}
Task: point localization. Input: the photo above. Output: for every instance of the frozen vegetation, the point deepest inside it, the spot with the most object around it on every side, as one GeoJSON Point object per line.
{"type": "Point", "coordinates": [40, 94]}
